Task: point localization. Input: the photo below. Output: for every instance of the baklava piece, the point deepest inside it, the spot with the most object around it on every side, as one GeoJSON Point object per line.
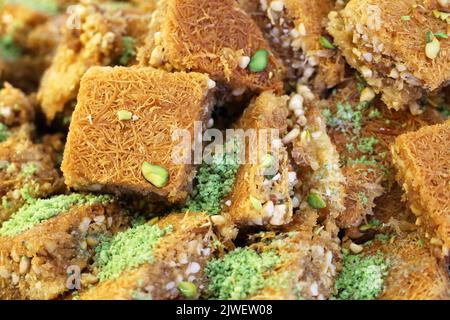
{"type": "Point", "coordinates": [399, 47]}
{"type": "Point", "coordinates": [15, 107]}
{"type": "Point", "coordinates": [264, 184]}
{"type": "Point", "coordinates": [159, 261]}
{"type": "Point", "coordinates": [122, 134]}
{"type": "Point", "coordinates": [28, 37]}
{"type": "Point", "coordinates": [92, 36]}
{"type": "Point", "coordinates": [362, 129]}
{"type": "Point", "coordinates": [414, 273]}
{"type": "Point", "coordinates": [323, 184]}
{"type": "Point", "coordinates": [422, 160]}
{"type": "Point", "coordinates": [47, 246]}
{"type": "Point", "coordinates": [296, 263]}
{"type": "Point", "coordinates": [392, 268]}
{"type": "Point", "coordinates": [27, 171]}
{"type": "Point", "coordinates": [296, 31]}
{"type": "Point", "coordinates": [213, 37]}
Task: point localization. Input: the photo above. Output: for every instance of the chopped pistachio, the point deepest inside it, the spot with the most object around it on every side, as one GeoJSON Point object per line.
{"type": "Point", "coordinates": [429, 36]}
{"type": "Point", "coordinates": [37, 211]}
{"type": "Point", "coordinates": [365, 227]}
{"type": "Point", "coordinates": [363, 160]}
{"type": "Point", "coordinates": [9, 50]}
{"type": "Point", "coordinates": [432, 48]}
{"type": "Point", "coordinates": [5, 202]}
{"type": "Point", "coordinates": [240, 273]}
{"type": "Point", "coordinates": [405, 18]}
{"type": "Point", "coordinates": [374, 114]}
{"type": "Point", "coordinates": [326, 43]}
{"type": "Point", "coordinates": [441, 34]}
{"type": "Point", "coordinates": [29, 169]}
{"type": "Point", "coordinates": [366, 144]}
{"type": "Point", "coordinates": [188, 289]}
{"type": "Point", "coordinates": [156, 175]}
{"type": "Point", "coordinates": [4, 132]}
{"type": "Point", "coordinates": [127, 249]}
{"type": "Point", "coordinates": [255, 203]}
{"type": "Point", "coordinates": [215, 180]}
{"type": "Point", "coordinates": [124, 115]}
{"type": "Point", "coordinates": [441, 15]}
{"type": "Point", "coordinates": [361, 278]}
{"type": "Point", "coordinates": [363, 197]}
{"type": "Point", "coordinates": [346, 116]}
{"type": "Point", "coordinates": [315, 201]}
{"type": "Point", "coordinates": [350, 148]}
{"type": "Point", "coordinates": [372, 224]}
{"type": "Point", "coordinates": [383, 238]}
{"type": "Point", "coordinates": [259, 61]}
{"type": "Point", "coordinates": [267, 161]}
{"type": "Point", "coordinates": [361, 82]}
{"type": "Point", "coordinates": [128, 52]}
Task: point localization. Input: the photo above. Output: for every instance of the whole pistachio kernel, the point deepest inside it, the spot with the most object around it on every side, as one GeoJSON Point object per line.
{"type": "Point", "coordinates": [156, 175]}
{"type": "Point", "coordinates": [124, 115]}
{"type": "Point", "coordinates": [256, 203]}
{"type": "Point", "coordinates": [326, 43]}
{"type": "Point", "coordinates": [259, 61]}
{"type": "Point", "coordinates": [315, 201]}
{"type": "Point", "coordinates": [267, 161]}
{"type": "Point", "coordinates": [188, 289]}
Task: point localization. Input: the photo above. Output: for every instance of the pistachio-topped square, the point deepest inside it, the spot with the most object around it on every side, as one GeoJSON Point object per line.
{"type": "Point", "coordinates": [422, 160]}
{"type": "Point", "coordinates": [47, 246]}
{"type": "Point", "coordinates": [160, 260]}
{"type": "Point", "coordinates": [214, 37]}
{"type": "Point", "coordinates": [400, 47]}
{"type": "Point", "coordinates": [120, 138]}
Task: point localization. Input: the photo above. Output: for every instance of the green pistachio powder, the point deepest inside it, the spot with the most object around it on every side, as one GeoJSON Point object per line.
{"type": "Point", "coordinates": [361, 278]}
{"type": "Point", "coordinates": [240, 273]}
{"type": "Point", "coordinates": [128, 249]}
{"type": "Point", "coordinates": [128, 50]}
{"type": "Point", "coordinates": [4, 132]}
{"type": "Point", "coordinates": [215, 181]}
{"type": "Point", "coordinates": [37, 211]}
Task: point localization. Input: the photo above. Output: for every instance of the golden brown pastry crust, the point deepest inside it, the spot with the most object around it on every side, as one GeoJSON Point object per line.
{"type": "Point", "coordinates": [191, 241]}
{"type": "Point", "coordinates": [104, 153]}
{"type": "Point", "coordinates": [266, 112]}
{"type": "Point", "coordinates": [34, 264]}
{"type": "Point", "coordinates": [390, 52]}
{"type": "Point", "coordinates": [16, 154]}
{"type": "Point", "coordinates": [210, 40]}
{"type": "Point", "coordinates": [422, 161]}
